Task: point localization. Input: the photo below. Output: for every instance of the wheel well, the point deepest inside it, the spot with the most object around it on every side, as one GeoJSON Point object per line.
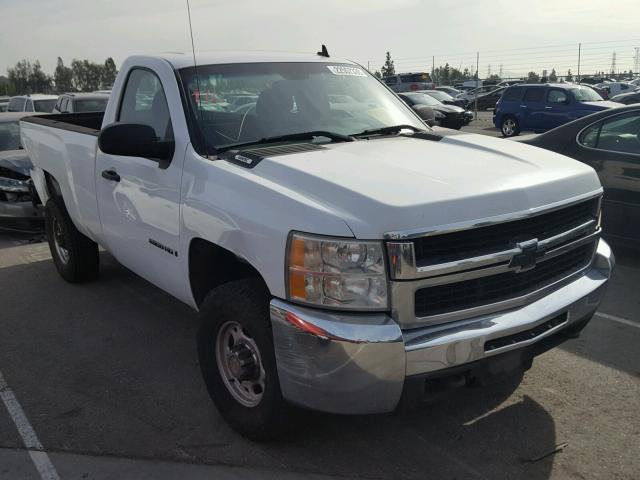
{"type": "Point", "coordinates": [211, 265]}
{"type": "Point", "coordinates": [53, 186]}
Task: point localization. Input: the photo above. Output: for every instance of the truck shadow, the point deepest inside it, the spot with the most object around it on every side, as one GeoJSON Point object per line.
{"type": "Point", "coordinates": [609, 342]}
{"type": "Point", "coordinates": [110, 368]}
{"type": "Point", "coordinates": [474, 433]}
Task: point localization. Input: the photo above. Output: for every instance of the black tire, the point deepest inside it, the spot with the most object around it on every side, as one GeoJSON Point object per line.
{"type": "Point", "coordinates": [245, 302]}
{"type": "Point", "coordinates": [82, 262]}
{"type": "Point", "coordinates": [509, 126]}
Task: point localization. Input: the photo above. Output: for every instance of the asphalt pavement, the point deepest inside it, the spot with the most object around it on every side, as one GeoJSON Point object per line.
{"type": "Point", "coordinates": [101, 381]}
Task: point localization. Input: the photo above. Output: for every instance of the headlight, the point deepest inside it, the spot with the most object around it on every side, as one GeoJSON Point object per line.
{"type": "Point", "coordinates": [13, 186]}
{"type": "Point", "coordinates": [346, 274]}
{"type": "Point", "coordinates": [439, 114]}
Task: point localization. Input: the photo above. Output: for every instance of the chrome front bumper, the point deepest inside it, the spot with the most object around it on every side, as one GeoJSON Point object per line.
{"type": "Point", "coordinates": [357, 363]}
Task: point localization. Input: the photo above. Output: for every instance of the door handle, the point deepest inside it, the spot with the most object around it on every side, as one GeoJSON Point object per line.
{"type": "Point", "coordinates": [523, 106]}
{"type": "Point", "coordinates": [548, 108]}
{"type": "Point", "coordinates": [111, 175]}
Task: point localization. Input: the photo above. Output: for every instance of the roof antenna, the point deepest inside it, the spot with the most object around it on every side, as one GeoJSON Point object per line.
{"type": "Point", "coordinates": [324, 52]}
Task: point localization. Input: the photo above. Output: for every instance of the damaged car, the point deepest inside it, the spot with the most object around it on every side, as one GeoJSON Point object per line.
{"type": "Point", "coordinates": [17, 211]}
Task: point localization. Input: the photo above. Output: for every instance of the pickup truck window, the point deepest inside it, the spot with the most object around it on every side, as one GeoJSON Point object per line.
{"type": "Point", "coordinates": [288, 98]}
{"type": "Point", "coordinates": [145, 102]}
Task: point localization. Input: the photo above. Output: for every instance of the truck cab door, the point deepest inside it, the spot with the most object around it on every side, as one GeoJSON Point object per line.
{"type": "Point", "coordinates": [557, 108]}
{"type": "Point", "coordinates": [139, 198]}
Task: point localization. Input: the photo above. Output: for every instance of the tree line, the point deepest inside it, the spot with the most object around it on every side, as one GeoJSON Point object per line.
{"type": "Point", "coordinates": [26, 77]}
{"type": "Point", "coordinates": [446, 75]}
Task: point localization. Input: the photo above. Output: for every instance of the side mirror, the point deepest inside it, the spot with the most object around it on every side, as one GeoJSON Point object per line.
{"type": "Point", "coordinates": [135, 140]}
{"type": "Point", "coordinates": [425, 113]}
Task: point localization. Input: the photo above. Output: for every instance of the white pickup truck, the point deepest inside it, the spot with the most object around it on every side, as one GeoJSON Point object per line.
{"type": "Point", "coordinates": [342, 255]}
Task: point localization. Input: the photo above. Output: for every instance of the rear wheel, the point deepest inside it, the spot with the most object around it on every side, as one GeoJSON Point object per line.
{"type": "Point", "coordinates": [74, 255]}
{"type": "Point", "coordinates": [237, 359]}
{"type": "Point", "coordinates": [509, 126]}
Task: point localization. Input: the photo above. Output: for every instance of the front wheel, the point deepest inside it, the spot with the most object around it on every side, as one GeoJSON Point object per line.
{"type": "Point", "coordinates": [509, 127]}
{"type": "Point", "coordinates": [237, 359]}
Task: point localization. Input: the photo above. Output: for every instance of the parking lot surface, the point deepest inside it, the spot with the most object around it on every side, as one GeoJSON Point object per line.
{"type": "Point", "coordinates": [107, 376]}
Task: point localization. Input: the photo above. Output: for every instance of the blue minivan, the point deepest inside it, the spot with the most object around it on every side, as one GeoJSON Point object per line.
{"type": "Point", "coordinates": [540, 107]}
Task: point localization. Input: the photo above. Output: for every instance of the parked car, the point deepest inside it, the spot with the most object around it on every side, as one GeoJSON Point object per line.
{"type": "Point", "coordinates": [408, 82]}
{"type": "Point", "coordinates": [32, 103]}
{"type": "Point", "coordinates": [487, 100]}
{"type": "Point", "coordinates": [601, 89]}
{"type": "Point", "coordinates": [508, 83]}
{"type": "Point", "coordinates": [470, 95]}
{"type": "Point", "coordinates": [540, 107]}
{"type": "Point", "coordinates": [339, 260]}
{"type": "Point", "coordinates": [424, 111]}
{"type": "Point", "coordinates": [449, 116]}
{"type": "Point", "coordinates": [4, 103]}
{"type": "Point", "coordinates": [627, 98]}
{"type": "Point", "coordinates": [81, 102]}
{"type": "Point", "coordinates": [450, 90]}
{"type": "Point", "coordinates": [616, 88]}
{"type": "Point", "coordinates": [445, 98]}
{"type": "Point", "coordinates": [608, 141]}
{"type": "Point", "coordinates": [17, 212]}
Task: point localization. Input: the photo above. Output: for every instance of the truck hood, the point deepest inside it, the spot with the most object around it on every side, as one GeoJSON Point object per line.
{"type": "Point", "coordinates": [402, 183]}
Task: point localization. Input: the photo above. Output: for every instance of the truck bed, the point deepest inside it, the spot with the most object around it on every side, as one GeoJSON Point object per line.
{"type": "Point", "coordinates": [88, 123]}
{"type": "Point", "coordinates": [64, 146]}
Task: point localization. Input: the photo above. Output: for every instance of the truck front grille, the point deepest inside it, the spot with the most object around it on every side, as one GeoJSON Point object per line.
{"type": "Point", "coordinates": [450, 247]}
{"type": "Point", "coordinates": [467, 294]}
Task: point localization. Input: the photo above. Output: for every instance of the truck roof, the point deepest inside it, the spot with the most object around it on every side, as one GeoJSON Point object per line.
{"type": "Point", "coordinates": [185, 60]}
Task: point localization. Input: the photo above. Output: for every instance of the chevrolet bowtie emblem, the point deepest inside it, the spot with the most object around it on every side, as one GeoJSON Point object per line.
{"type": "Point", "coordinates": [528, 256]}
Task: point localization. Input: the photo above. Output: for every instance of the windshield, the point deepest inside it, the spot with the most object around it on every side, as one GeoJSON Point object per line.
{"type": "Point", "coordinates": [423, 99]}
{"type": "Point", "coordinates": [44, 105]}
{"type": "Point", "coordinates": [289, 98]}
{"type": "Point", "coordinates": [586, 94]}
{"type": "Point", "coordinates": [9, 136]}
{"type": "Point", "coordinates": [93, 105]}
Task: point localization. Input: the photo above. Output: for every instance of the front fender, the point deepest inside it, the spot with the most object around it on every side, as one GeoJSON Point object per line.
{"type": "Point", "coordinates": [232, 207]}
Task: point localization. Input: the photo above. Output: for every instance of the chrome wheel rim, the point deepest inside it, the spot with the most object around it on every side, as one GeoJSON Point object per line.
{"type": "Point", "coordinates": [59, 242]}
{"type": "Point", "coordinates": [240, 364]}
{"type": "Point", "coordinates": [508, 127]}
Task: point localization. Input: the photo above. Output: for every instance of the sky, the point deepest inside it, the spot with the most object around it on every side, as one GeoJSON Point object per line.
{"type": "Point", "coordinates": [511, 36]}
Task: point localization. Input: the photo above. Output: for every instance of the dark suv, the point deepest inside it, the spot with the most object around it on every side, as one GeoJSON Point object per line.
{"type": "Point", "coordinates": [540, 107]}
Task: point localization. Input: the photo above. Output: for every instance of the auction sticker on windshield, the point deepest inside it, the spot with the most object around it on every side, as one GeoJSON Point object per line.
{"type": "Point", "coordinates": [346, 70]}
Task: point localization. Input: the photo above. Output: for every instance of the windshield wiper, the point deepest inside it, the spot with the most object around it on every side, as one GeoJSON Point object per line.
{"type": "Point", "coordinates": [387, 130]}
{"type": "Point", "coordinates": [336, 137]}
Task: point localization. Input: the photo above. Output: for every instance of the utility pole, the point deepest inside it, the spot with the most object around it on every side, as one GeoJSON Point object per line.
{"type": "Point", "coordinates": [636, 60]}
{"type": "Point", "coordinates": [477, 81]}
{"type": "Point", "coordinates": [433, 68]}
{"type": "Point", "coordinates": [368, 66]}
{"type": "Point", "coordinates": [579, 48]}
